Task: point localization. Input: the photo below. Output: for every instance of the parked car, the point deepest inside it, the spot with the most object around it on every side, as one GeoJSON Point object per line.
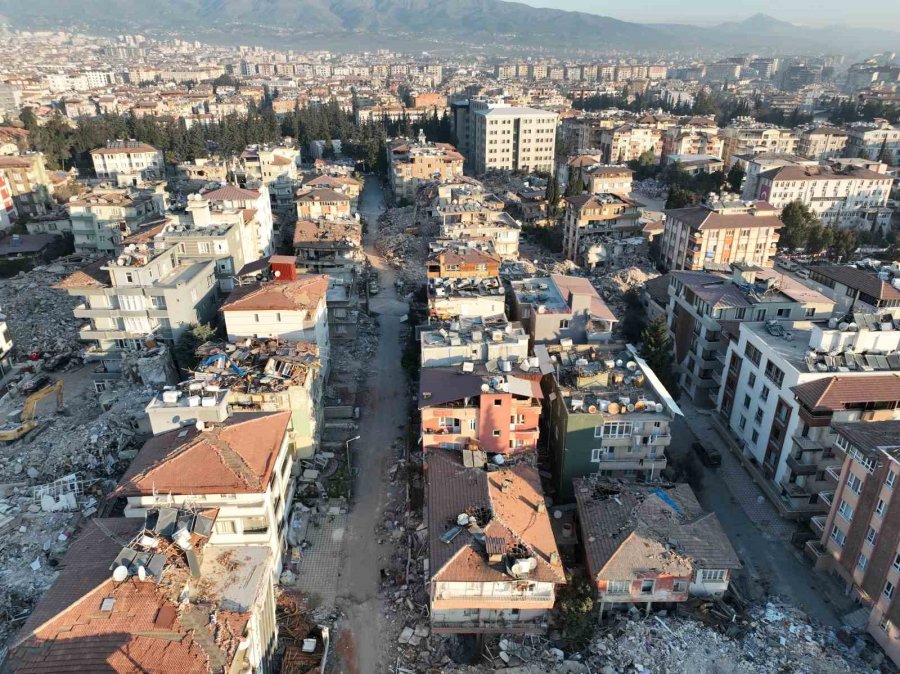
{"type": "Point", "coordinates": [708, 456]}
{"type": "Point", "coordinates": [36, 383]}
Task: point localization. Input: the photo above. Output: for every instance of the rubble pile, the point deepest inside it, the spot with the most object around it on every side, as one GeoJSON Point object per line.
{"type": "Point", "coordinates": [774, 639]}
{"type": "Point", "coordinates": [38, 315]}
{"type": "Point", "coordinates": [396, 237]}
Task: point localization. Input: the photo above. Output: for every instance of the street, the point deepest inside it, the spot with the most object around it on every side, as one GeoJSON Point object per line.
{"type": "Point", "coordinates": [760, 537]}
{"type": "Point", "coordinates": [383, 412]}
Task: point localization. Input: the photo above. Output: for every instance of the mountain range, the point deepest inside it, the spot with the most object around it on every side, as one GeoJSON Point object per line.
{"type": "Point", "coordinates": [493, 23]}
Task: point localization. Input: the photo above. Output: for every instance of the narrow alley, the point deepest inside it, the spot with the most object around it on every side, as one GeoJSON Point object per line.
{"type": "Point", "coordinates": [382, 417]}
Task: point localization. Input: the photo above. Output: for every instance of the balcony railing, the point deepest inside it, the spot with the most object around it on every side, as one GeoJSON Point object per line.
{"type": "Point", "coordinates": [799, 468]}
{"type": "Point", "coordinates": [834, 472]}
{"type": "Point", "coordinates": [827, 497]}
{"type": "Point", "coordinates": [817, 524]}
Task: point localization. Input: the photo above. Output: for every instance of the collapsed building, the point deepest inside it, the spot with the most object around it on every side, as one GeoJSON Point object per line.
{"type": "Point", "coordinates": [650, 545]}
{"type": "Point", "coordinates": [329, 245]}
{"type": "Point", "coordinates": [450, 298]}
{"type": "Point", "coordinates": [476, 339]}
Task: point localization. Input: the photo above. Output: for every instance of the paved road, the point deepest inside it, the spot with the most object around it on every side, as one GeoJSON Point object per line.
{"type": "Point", "coordinates": [383, 411]}
{"type": "Point", "coordinates": [759, 536]}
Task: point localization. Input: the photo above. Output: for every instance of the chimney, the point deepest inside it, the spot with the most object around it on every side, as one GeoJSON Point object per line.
{"type": "Point", "coordinates": [198, 207]}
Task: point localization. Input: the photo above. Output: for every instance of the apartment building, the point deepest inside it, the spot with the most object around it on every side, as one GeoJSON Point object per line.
{"type": "Point", "coordinates": [699, 304]}
{"type": "Point", "coordinates": [775, 389]}
{"type": "Point", "coordinates": [478, 224]}
{"type": "Point", "coordinates": [602, 179]}
{"type": "Point", "coordinates": [28, 183]}
{"type": "Point", "coordinates": [414, 162]}
{"type": "Point", "coordinates": [697, 137]}
{"type": "Point", "coordinates": [843, 197]}
{"type": "Point", "coordinates": [647, 545]}
{"type": "Point", "coordinates": [128, 158]}
{"type": "Point", "coordinates": [105, 216]}
{"type": "Point", "coordinates": [339, 183]}
{"type": "Point", "coordinates": [745, 136]}
{"type": "Point", "coordinates": [854, 290]}
{"type": "Point", "coordinates": [322, 203]}
{"type": "Point", "coordinates": [606, 414]}
{"type": "Point", "coordinates": [492, 410]}
{"type": "Point", "coordinates": [560, 307]}
{"type": "Point", "coordinates": [453, 298]}
{"type": "Point", "coordinates": [822, 142]}
{"type": "Point", "coordinates": [291, 307]}
{"type": "Point", "coordinates": [878, 141]}
{"type": "Point", "coordinates": [511, 138]}
{"type": "Point", "coordinates": [257, 210]}
{"type": "Point", "coordinates": [591, 220]}
{"type": "Point", "coordinates": [493, 562]}
{"type": "Point", "coordinates": [755, 165]}
{"type": "Point", "coordinates": [91, 621]}
{"type": "Point", "coordinates": [460, 260]}
{"type": "Point", "coordinates": [331, 245]}
{"type": "Point", "coordinates": [142, 293]}
{"type": "Point", "coordinates": [628, 142]}
{"type": "Point", "coordinates": [475, 339]}
{"type": "Point", "coordinates": [720, 232]}
{"type": "Point", "coordinates": [275, 167]}
{"type": "Point", "coordinates": [859, 535]}
{"type": "Point", "coordinates": [241, 466]}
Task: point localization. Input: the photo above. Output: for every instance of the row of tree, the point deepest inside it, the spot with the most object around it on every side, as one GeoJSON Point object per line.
{"type": "Point", "coordinates": [802, 229]}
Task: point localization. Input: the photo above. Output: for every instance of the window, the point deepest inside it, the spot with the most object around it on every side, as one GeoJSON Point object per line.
{"type": "Point", "coordinates": [871, 535]}
{"type": "Point", "coordinates": [890, 479]}
{"type": "Point", "coordinates": [888, 590]}
{"type": "Point", "coordinates": [471, 424]}
{"type": "Point", "coordinates": [498, 402]}
{"type": "Point", "coordinates": [845, 510]}
{"type": "Point", "coordinates": [618, 587]}
{"type": "Point", "coordinates": [854, 483]}
{"type": "Point", "coordinates": [224, 527]}
{"type": "Point", "coordinates": [747, 402]}
{"type": "Point", "coordinates": [564, 324]}
{"type": "Point", "coordinates": [774, 374]}
{"type": "Point", "coordinates": [129, 277]}
{"type": "Point", "coordinates": [758, 417]}
{"type": "Point", "coordinates": [496, 433]}
{"type": "Point", "coordinates": [862, 562]}
{"type": "Point", "coordinates": [838, 536]}
{"type": "Point", "coordinates": [885, 624]}
{"type": "Point", "coordinates": [764, 394]}
{"type": "Point", "coordinates": [753, 353]}
{"type": "Point", "coordinates": [754, 436]}
{"type": "Point", "coordinates": [879, 508]}
{"type": "Point", "coordinates": [897, 563]}
{"type": "Point", "coordinates": [751, 380]}
{"type": "Point", "coordinates": [810, 312]}
{"type": "Point", "coordinates": [680, 586]}
{"type": "Point", "coordinates": [647, 586]}
{"type": "Point", "coordinates": [742, 424]}
{"type": "Point", "coordinates": [615, 429]}
{"type": "Point", "coordinates": [713, 575]}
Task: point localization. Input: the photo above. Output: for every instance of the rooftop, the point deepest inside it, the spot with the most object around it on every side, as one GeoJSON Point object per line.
{"type": "Point", "coordinates": [836, 393]}
{"type": "Point", "coordinates": [306, 293]}
{"type": "Point", "coordinates": [328, 233]}
{"type": "Point", "coordinates": [865, 282]}
{"type": "Point", "coordinates": [465, 287]}
{"type": "Point", "coordinates": [472, 330]}
{"type": "Point", "coordinates": [728, 215]}
{"type": "Point", "coordinates": [872, 438]}
{"type": "Point", "coordinates": [633, 530]}
{"type": "Point", "coordinates": [506, 522]}
{"type": "Point", "coordinates": [555, 294]}
{"type": "Point", "coordinates": [441, 385]}
{"type": "Point", "coordinates": [254, 366]}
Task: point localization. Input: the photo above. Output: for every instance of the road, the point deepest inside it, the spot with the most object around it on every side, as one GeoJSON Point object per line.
{"type": "Point", "coordinates": [758, 535]}
{"type": "Point", "coordinates": [383, 412]}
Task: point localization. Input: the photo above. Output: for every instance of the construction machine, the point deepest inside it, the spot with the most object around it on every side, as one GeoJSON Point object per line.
{"type": "Point", "coordinates": [22, 422]}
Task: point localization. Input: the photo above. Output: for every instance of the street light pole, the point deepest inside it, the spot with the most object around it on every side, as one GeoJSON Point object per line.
{"type": "Point", "coordinates": [349, 465]}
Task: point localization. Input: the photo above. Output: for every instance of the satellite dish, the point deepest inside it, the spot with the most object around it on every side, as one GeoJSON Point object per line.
{"type": "Point", "coordinates": [499, 460]}
{"type": "Point", "coordinates": [277, 273]}
{"type": "Point", "coordinates": [557, 514]}
{"type": "Point", "coordinates": [142, 573]}
{"type": "Point", "coordinates": [120, 573]}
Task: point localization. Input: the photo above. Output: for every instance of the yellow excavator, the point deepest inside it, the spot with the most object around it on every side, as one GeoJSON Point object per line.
{"type": "Point", "coordinates": [23, 422]}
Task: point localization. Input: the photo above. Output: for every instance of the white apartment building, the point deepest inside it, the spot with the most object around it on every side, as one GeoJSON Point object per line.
{"type": "Point", "coordinates": [241, 466]}
{"type": "Point", "coordinates": [753, 165]}
{"type": "Point", "coordinates": [512, 138]}
{"type": "Point", "coordinates": [746, 136]}
{"type": "Point", "coordinates": [843, 197]}
{"type": "Point", "coordinates": [257, 209]}
{"type": "Point", "coordinates": [141, 293]}
{"type": "Point", "coordinates": [127, 157]}
{"type": "Point", "coordinates": [879, 141]}
{"type": "Point", "coordinates": [822, 142]}
{"type": "Point", "coordinates": [768, 361]}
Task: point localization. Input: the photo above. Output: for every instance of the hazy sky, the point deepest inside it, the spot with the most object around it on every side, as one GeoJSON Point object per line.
{"type": "Point", "coordinates": [880, 13]}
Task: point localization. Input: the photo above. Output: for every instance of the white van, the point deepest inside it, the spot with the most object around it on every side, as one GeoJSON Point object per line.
{"type": "Point", "coordinates": [803, 273]}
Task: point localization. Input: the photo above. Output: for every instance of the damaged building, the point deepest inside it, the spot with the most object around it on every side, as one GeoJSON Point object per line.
{"type": "Point", "coordinates": [494, 565]}
{"type": "Point", "coordinates": [450, 298]}
{"type": "Point", "coordinates": [476, 339]}
{"type": "Point", "coordinates": [329, 245]}
{"type": "Point", "coordinates": [651, 545]}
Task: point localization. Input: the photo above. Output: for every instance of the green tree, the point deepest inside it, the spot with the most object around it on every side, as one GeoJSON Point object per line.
{"type": "Point", "coordinates": [576, 183]}
{"type": "Point", "coordinates": [657, 350]}
{"type": "Point", "coordinates": [679, 198]}
{"type": "Point", "coordinates": [635, 320]}
{"type": "Point", "coordinates": [844, 244]}
{"type": "Point", "coordinates": [735, 178]}
{"type": "Point", "coordinates": [818, 238]}
{"type": "Point", "coordinates": [552, 195]}
{"type": "Point", "coordinates": [577, 611]}
{"type": "Point", "coordinates": [186, 346]}
{"type": "Point", "coordinates": [796, 219]}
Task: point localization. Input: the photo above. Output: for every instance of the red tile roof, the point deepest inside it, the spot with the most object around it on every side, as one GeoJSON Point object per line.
{"type": "Point", "coordinates": [237, 456]}
{"type": "Point", "coordinates": [834, 393]}
{"type": "Point", "coordinates": [307, 292]}
{"type": "Point", "coordinates": [231, 193]}
{"type": "Point", "coordinates": [576, 285]}
{"type": "Point", "coordinates": [90, 276]}
{"type": "Point", "coordinates": [700, 217]}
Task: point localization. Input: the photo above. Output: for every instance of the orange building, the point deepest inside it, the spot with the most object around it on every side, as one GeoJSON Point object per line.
{"type": "Point", "coordinates": [461, 261]}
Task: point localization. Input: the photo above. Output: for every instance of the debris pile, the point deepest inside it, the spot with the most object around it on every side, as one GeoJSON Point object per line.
{"type": "Point", "coordinates": [38, 315]}
{"type": "Point", "coordinates": [397, 237]}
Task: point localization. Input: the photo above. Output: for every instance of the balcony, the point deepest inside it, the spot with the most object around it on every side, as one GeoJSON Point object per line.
{"type": "Point", "coordinates": [805, 444]}
{"type": "Point", "coordinates": [794, 490]}
{"type": "Point", "coordinates": [817, 524]}
{"type": "Point", "coordinates": [799, 468]}
{"type": "Point", "coordinates": [826, 497]}
{"type": "Point", "coordinates": [814, 551]}
{"type": "Point", "coordinates": [833, 472]}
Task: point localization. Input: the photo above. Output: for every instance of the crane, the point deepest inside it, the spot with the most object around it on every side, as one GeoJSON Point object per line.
{"type": "Point", "coordinates": [25, 422]}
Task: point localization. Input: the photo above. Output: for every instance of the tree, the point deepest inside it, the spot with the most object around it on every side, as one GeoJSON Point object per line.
{"type": "Point", "coordinates": [576, 608]}
{"type": "Point", "coordinates": [635, 320]}
{"type": "Point", "coordinates": [735, 178]}
{"type": "Point", "coordinates": [576, 183]}
{"type": "Point", "coordinates": [796, 219]}
{"type": "Point", "coordinates": [844, 244]}
{"type": "Point", "coordinates": [186, 346]}
{"type": "Point", "coordinates": [818, 238]}
{"type": "Point", "coordinates": [552, 196]}
{"type": "Point", "coordinates": [657, 350]}
{"type": "Point", "coordinates": [679, 198]}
